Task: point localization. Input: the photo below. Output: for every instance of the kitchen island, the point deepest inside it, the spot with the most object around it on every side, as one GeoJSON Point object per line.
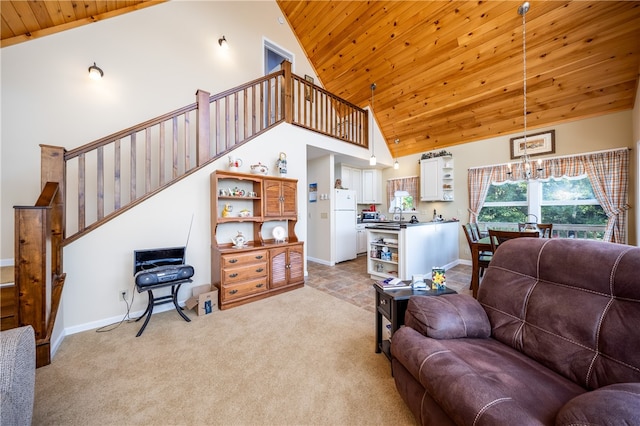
{"type": "Point", "coordinates": [403, 249]}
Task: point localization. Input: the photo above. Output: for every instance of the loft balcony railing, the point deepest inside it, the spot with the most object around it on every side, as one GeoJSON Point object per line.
{"type": "Point", "coordinates": [110, 175]}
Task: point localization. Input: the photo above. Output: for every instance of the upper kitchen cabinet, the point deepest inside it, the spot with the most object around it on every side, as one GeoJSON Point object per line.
{"type": "Point", "coordinates": [352, 179]}
{"type": "Point", "coordinates": [436, 179]}
{"type": "Point", "coordinates": [371, 187]}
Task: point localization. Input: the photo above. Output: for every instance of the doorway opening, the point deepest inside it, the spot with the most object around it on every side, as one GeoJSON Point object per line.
{"type": "Point", "coordinates": [273, 57]}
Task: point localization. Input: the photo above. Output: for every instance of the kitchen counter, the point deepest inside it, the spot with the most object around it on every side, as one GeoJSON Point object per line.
{"type": "Point", "coordinates": [403, 249]}
{"type": "Point", "coordinates": [394, 225]}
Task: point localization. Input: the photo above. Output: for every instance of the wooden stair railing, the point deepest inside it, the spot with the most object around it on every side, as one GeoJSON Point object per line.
{"type": "Point", "coordinates": [106, 177]}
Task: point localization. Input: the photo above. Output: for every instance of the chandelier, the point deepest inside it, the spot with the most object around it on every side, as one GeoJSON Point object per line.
{"type": "Point", "coordinates": [529, 170]}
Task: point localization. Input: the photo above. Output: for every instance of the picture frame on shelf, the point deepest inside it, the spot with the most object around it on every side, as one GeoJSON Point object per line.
{"type": "Point", "coordinates": [537, 144]}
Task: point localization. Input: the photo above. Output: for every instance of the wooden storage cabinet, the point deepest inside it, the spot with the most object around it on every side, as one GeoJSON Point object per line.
{"type": "Point", "coordinates": [264, 267]}
{"type": "Point", "coordinates": [286, 266]}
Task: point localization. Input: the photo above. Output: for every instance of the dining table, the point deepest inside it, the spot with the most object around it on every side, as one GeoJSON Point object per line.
{"type": "Point", "coordinates": [477, 247]}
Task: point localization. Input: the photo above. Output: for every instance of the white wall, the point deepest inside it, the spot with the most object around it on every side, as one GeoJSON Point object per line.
{"type": "Point", "coordinates": [320, 172]}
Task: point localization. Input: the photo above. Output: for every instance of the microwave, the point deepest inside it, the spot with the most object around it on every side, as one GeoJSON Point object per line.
{"type": "Point", "coordinates": [370, 216]}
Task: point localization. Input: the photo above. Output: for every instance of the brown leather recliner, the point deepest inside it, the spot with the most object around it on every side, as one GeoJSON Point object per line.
{"type": "Point", "coordinates": [554, 338]}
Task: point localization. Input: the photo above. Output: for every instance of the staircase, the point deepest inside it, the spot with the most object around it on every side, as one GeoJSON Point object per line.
{"type": "Point", "coordinates": [88, 186]}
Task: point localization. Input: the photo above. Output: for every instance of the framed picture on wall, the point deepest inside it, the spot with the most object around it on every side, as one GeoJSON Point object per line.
{"type": "Point", "coordinates": [537, 144]}
{"type": "Point", "coordinates": [308, 90]}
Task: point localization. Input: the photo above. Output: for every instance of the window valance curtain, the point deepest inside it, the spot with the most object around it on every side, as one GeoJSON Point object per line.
{"type": "Point", "coordinates": [409, 184]}
{"type": "Point", "coordinates": [608, 172]}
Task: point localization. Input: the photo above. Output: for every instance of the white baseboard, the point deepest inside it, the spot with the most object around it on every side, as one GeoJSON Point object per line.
{"type": "Point", "coordinates": [320, 261]}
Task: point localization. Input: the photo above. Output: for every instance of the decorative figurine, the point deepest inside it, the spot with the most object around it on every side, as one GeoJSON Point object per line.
{"type": "Point", "coordinates": [226, 211]}
{"type": "Point", "coordinates": [281, 164]}
{"type": "Point", "coordinates": [338, 184]}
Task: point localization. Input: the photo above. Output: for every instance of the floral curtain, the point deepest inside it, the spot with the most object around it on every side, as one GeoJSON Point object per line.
{"type": "Point", "coordinates": [608, 172]}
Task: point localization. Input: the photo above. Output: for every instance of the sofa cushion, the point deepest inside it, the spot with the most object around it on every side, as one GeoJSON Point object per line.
{"type": "Point", "coordinates": [482, 381]}
{"type": "Point", "coordinates": [572, 305]}
{"type": "Point", "coordinates": [450, 316]}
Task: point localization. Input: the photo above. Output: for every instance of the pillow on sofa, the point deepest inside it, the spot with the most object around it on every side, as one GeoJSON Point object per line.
{"type": "Point", "coordinates": [450, 316]}
{"type": "Point", "coordinates": [617, 404]}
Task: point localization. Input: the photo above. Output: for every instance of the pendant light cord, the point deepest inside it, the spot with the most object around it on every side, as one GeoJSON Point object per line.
{"type": "Point", "coordinates": [524, 71]}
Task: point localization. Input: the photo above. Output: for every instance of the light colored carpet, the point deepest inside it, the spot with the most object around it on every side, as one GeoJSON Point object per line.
{"type": "Point", "coordinates": [299, 358]}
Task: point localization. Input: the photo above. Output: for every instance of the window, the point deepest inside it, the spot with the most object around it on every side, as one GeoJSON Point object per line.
{"type": "Point", "coordinates": [506, 202]}
{"type": "Point", "coordinates": [565, 201]}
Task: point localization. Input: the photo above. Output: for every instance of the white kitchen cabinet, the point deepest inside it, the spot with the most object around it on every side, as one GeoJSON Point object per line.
{"type": "Point", "coordinates": [414, 249]}
{"type": "Point", "coordinates": [372, 187]}
{"type": "Point", "coordinates": [352, 179]}
{"type": "Point", "coordinates": [436, 179]}
{"type": "Point", "coordinates": [361, 236]}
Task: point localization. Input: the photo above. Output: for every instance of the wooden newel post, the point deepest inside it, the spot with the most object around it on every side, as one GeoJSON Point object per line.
{"type": "Point", "coordinates": [203, 125]}
{"type": "Point", "coordinates": [53, 169]}
{"type": "Point", "coordinates": [288, 90]}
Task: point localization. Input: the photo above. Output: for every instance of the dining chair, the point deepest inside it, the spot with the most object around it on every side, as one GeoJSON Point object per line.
{"type": "Point", "coordinates": [498, 237]}
{"type": "Point", "coordinates": [477, 232]}
{"type": "Point", "coordinates": [485, 256]}
{"type": "Point", "coordinates": [545, 228]}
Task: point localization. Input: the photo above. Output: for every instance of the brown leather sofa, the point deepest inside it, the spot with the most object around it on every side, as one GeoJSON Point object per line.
{"type": "Point", "coordinates": [554, 338]}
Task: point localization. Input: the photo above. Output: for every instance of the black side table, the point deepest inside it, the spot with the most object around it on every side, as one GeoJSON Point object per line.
{"type": "Point", "coordinates": [392, 304]}
{"type": "Point", "coordinates": [154, 301]}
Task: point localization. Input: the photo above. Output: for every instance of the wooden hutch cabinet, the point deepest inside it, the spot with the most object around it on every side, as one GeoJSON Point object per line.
{"type": "Point", "coordinates": [264, 266]}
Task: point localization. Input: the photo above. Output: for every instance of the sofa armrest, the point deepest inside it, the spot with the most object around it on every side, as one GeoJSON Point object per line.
{"type": "Point", "coordinates": [450, 316]}
{"type": "Point", "coordinates": [17, 375]}
{"type": "Point", "coordinates": [617, 404]}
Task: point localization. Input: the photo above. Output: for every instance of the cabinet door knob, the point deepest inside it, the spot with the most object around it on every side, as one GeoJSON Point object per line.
{"type": "Point", "coordinates": [233, 291]}
{"type": "Point", "coordinates": [383, 302]}
{"type": "Point", "coordinates": [260, 285]}
{"type": "Point", "coordinates": [259, 257]}
{"type": "Point", "coordinates": [233, 275]}
{"type": "Point", "coordinates": [259, 269]}
{"type": "Point", "coordinates": [233, 260]}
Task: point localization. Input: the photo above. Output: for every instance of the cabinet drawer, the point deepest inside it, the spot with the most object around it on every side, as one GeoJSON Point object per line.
{"type": "Point", "coordinates": [247, 288]}
{"type": "Point", "coordinates": [385, 305]}
{"type": "Point", "coordinates": [243, 273]}
{"type": "Point", "coordinates": [244, 258]}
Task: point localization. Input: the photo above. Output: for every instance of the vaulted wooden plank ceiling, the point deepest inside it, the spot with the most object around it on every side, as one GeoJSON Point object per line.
{"type": "Point", "coordinates": [451, 72]}
{"type": "Point", "coordinates": [446, 72]}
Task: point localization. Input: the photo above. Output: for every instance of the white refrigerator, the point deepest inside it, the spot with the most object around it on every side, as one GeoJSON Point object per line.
{"type": "Point", "coordinates": [344, 219]}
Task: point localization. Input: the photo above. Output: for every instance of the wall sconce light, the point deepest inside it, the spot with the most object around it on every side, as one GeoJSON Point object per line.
{"type": "Point", "coordinates": [223, 42]}
{"type": "Point", "coordinates": [95, 73]}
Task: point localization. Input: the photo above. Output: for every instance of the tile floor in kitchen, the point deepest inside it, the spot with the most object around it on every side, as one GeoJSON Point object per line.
{"type": "Point", "coordinates": [349, 281]}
